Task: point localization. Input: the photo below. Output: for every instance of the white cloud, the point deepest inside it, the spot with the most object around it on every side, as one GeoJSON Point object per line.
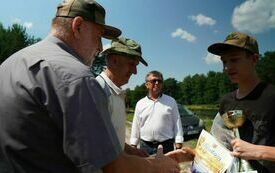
{"type": "Point", "coordinates": [212, 59]}
{"type": "Point", "coordinates": [183, 35]}
{"type": "Point", "coordinates": [28, 25]}
{"type": "Point", "coordinates": [16, 21]}
{"type": "Point", "coordinates": [201, 20]}
{"type": "Point", "coordinates": [106, 46]}
{"type": "Point", "coordinates": [254, 16]}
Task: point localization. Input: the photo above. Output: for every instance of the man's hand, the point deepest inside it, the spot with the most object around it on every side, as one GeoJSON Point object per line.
{"type": "Point", "coordinates": [163, 163]}
{"type": "Point", "coordinates": [134, 151]}
{"type": "Point", "coordinates": [245, 150]}
{"type": "Point", "coordinates": [178, 145]}
{"type": "Point", "coordinates": [182, 155]}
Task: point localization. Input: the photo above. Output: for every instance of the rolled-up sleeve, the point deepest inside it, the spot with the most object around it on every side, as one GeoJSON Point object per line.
{"type": "Point", "coordinates": [135, 131]}
{"type": "Point", "coordinates": [178, 127]}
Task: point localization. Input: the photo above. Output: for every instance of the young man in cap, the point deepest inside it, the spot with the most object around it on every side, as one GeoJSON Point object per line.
{"type": "Point", "coordinates": [49, 98]}
{"type": "Point", "coordinates": [240, 55]}
{"type": "Point", "coordinates": [156, 120]}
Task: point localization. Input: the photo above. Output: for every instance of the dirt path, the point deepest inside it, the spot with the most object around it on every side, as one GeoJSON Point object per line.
{"type": "Point", "coordinates": [185, 167]}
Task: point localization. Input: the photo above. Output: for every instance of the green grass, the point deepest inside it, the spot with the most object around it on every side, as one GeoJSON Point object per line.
{"type": "Point", "coordinates": [203, 107]}
{"type": "Point", "coordinates": [130, 114]}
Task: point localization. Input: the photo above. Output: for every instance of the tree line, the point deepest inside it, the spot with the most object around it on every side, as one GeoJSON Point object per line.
{"type": "Point", "coordinates": [204, 88]}
{"type": "Point", "coordinates": [196, 89]}
{"type": "Point", "coordinates": [13, 39]}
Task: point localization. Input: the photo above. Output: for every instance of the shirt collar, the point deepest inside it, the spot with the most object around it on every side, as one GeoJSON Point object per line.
{"type": "Point", "coordinates": [159, 97]}
{"type": "Point", "coordinates": [111, 84]}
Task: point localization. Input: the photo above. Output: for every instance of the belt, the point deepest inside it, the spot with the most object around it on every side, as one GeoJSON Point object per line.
{"type": "Point", "coordinates": [158, 143]}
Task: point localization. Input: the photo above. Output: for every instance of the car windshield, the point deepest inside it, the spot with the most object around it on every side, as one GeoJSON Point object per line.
{"type": "Point", "coordinates": [184, 111]}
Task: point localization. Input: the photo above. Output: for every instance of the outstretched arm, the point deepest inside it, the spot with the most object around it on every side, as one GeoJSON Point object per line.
{"type": "Point", "coordinates": [184, 154]}
{"type": "Point", "coordinates": [248, 151]}
{"type": "Point", "coordinates": [129, 163]}
{"type": "Point", "coordinates": [134, 151]}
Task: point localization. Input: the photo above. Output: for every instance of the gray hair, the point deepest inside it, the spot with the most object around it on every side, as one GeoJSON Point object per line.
{"type": "Point", "coordinates": [154, 73]}
{"type": "Point", "coordinates": [61, 27]}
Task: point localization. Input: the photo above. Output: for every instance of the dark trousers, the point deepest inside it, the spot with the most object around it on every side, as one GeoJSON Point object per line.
{"type": "Point", "coordinates": [151, 147]}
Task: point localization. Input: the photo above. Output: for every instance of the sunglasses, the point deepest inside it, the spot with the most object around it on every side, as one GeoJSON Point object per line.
{"type": "Point", "coordinates": [155, 80]}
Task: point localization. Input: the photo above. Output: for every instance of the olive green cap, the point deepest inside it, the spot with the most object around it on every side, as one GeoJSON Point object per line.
{"type": "Point", "coordinates": [89, 10]}
{"type": "Point", "coordinates": [235, 39]}
{"type": "Point", "coordinates": [125, 46]}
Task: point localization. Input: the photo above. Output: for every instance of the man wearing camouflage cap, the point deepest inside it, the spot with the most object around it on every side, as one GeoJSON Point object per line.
{"type": "Point", "coordinates": [240, 54]}
{"type": "Point", "coordinates": [48, 95]}
{"type": "Point", "coordinates": [122, 59]}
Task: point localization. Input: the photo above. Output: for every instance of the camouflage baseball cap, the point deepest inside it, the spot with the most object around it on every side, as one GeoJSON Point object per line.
{"type": "Point", "coordinates": [89, 10]}
{"type": "Point", "coordinates": [125, 46]}
{"type": "Point", "coordinates": [235, 39]}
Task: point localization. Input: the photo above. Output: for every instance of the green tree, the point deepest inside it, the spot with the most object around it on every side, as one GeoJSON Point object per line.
{"type": "Point", "coordinates": [211, 88]}
{"type": "Point", "coordinates": [266, 67]}
{"type": "Point", "coordinates": [171, 87]}
{"type": "Point", "coordinates": [198, 87]}
{"type": "Point", "coordinates": [186, 90]}
{"type": "Point", "coordinates": [13, 39]}
{"type": "Point", "coordinates": [133, 96]}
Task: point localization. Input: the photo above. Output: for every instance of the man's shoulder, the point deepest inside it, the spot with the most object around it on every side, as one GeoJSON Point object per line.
{"type": "Point", "coordinates": [268, 93]}
{"type": "Point", "coordinates": [229, 95]}
{"type": "Point", "coordinates": [270, 88]}
{"type": "Point", "coordinates": [55, 59]}
{"type": "Point", "coordinates": [168, 98]}
{"type": "Point", "coordinates": [143, 101]}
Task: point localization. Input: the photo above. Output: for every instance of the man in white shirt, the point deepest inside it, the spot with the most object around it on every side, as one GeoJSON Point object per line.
{"type": "Point", "coordinates": [156, 120]}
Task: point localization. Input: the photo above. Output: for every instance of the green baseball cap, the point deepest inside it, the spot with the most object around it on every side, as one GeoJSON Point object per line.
{"type": "Point", "coordinates": [125, 46]}
{"type": "Point", "coordinates": [235, 39]}
{"type": "Point", "coordinates": [89, 10]}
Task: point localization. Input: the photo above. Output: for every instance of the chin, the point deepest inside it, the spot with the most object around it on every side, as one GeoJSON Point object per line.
{"type": "Point", "coordinates": [234, 80]}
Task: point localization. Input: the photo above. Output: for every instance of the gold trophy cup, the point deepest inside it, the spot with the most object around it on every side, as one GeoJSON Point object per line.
{"type": "Point", "coordinates": [233, 120]}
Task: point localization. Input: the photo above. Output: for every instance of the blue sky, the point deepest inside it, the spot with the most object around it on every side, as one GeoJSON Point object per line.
{"type": "Point", "coordinates": [174, 34]}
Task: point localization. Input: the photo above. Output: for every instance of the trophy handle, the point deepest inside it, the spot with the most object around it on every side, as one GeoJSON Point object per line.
{"type": "Point", "coordinates": [236, 133]}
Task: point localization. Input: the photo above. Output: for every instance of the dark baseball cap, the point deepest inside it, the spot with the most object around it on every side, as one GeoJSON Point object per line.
{"type": "Point", "coordinates": [89, 10]}
{"type": "Point", "coordinates": [235, 39]}
{"type": "Point", "coordinates": [125, 46]}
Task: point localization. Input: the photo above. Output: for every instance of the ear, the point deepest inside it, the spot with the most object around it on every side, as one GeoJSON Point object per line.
{"type": "Point", "coordinates": [146, 84]}
{"type": "Point", "coordinates": [255, 58]}
{"type": "Point", "coordinates": [114, 60]}
{"type": "Point", "coordinates": [77, 26]}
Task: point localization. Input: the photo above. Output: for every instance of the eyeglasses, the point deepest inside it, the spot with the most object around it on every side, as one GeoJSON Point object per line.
{"type": "Point", "coordinates": [155, 80]}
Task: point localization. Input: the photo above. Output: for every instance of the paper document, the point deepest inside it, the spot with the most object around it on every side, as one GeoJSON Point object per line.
{"type": "Point", "coordinates": [211, 156]}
